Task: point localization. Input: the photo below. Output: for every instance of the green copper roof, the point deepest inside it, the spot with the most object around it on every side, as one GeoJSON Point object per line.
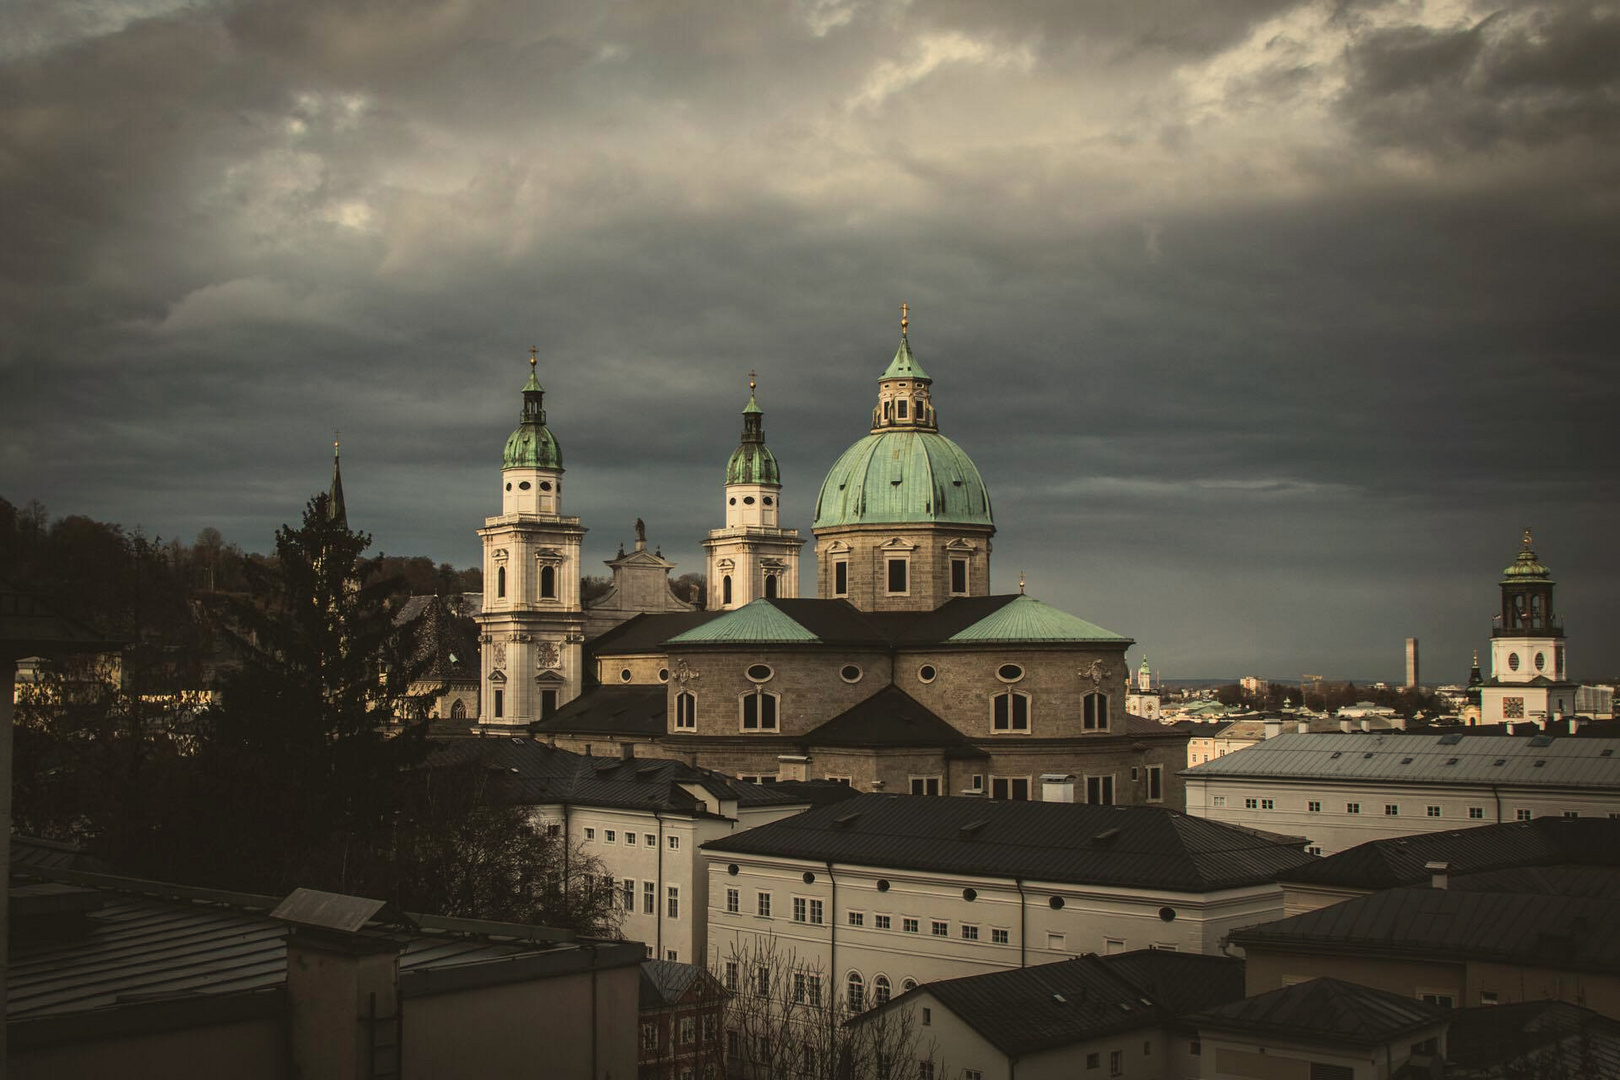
{"type": "Point", "coordinates": [1526, 567]}
{"type": "Point", "coordinates": [903, 476]}
{"type": "Point", "coordinates": [753, 463]}
{"type": "Point", "coordinates": [752, 406]}
{"type": "Point", "coordinates": [1027, 619]}
{"type": "Point", "coordinates": [531, 446]}
{"type": "Point", "coordinates": [756, 623]}
{"type": "Point", "coordinates": [904, 365]}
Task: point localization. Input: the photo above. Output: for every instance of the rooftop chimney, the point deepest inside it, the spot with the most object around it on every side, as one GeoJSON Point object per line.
{"type": "Point", "coordinates": [1273, 728]}
{"type": "Point", "coordinates": [1344, 726]}
{"type": "Point", "coordinates": [1304, 727]}
{"type": "Point", "coordinates": [1438, 874]}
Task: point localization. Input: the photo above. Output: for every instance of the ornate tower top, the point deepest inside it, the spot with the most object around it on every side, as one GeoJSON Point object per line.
{"type": "Point", "coordinates": [532, 445]}
{"type": "Point", "coordinates": [752, 462]}
{"type": "Point", "coordinates": [905, 400]}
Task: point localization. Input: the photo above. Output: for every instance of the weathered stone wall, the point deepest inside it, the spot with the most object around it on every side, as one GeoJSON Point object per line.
{"type": "Point", "coordinates": [807, 681]}
{"type": "Point", "coordinates": [929, 576]}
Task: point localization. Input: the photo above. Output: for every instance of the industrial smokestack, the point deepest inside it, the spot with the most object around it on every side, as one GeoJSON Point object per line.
{"type": "Point", "coordinates": [1411, 663]}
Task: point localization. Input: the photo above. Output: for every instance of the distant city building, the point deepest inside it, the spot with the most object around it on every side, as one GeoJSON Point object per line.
{"type": "Point", "coordinates": [1345, 789]}
{"type": "Point", "coordinates": [1142, 697]}
{"type": "Point", "coordinates": [1411, 663]}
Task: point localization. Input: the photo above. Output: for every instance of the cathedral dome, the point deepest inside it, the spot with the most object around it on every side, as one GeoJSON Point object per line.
{"type": "Point", "coordinates": [904, 476]}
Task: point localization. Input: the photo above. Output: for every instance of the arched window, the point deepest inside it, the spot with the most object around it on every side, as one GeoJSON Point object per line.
{"type": "Point", "coordinates": [1094, 712]}
{"type": "Point", "coordinates": [759, 709]}
{"type": "Point", "coordinates": [548, 583]}
{"type": "Point", "coordinates": [725, 589]}
{"type": "Point", "coordinates": [458, 710]}
{"type": "Point", "coordinates": [686, 712]}
{"type": "Point", "coordinates": [908, 986]}
{"type": "Point", "coordinates": [1010, 711]}
{"type": "Point", "coordinates": [856, 992]}
{"type": "Point", "coordinates": [500, 581]}
{"type": "Point", "coordinates": [770, 586]}
{"type": "Point", "coordinates": [880, 990]}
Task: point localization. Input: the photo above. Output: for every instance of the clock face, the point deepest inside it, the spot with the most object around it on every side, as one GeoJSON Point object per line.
{"type": "Point", "coordinates": [1513, 661]}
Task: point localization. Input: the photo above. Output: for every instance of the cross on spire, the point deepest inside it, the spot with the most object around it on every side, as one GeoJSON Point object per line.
{"type": "Point", "coordinates": [905, 318]}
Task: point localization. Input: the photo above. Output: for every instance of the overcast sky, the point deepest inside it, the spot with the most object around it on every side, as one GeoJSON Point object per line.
{"type": "Point", "coordinates": [1270, 325]}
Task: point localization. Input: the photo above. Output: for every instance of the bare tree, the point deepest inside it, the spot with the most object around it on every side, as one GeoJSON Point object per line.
{"type": "Point", "coordinates": [785, 1017]}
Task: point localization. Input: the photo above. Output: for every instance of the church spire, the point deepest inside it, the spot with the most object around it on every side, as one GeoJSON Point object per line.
{"type": "Point", "coordinates": [905, 400]}
{"type": "Point", "coordinates": [335, 509]}
{"type": "Point", "coordinates": [752, 462]}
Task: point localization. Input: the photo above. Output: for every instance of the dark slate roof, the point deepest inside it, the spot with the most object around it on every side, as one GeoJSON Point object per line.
{"type": "Point", "coordinates": [536, 774]}
{"type": "Point", "coordinates": [647, 633]}
{"type": "Point", "coordinates": [641, 711]}
{"type": "Point", "coordinates": [1182, 982]}
{"type": "Point", "coordinates": [1328, 1009]}
{"type": "Point", "coordinates": [889, 718]}
{"type": "Point", "coordinates": [1501, 1042]}
{"type": "Point", "coordinates": [1027, 1010]}
{"type": "Point", "coordinates": [1388, 864]}
{"type": "Point", "coordinates": [1517, 928]}
{"type": "Point", "coordinates": [30, 851]}
{"type": "Point", "coordinates": [1597, 882]}
{"type": "Point", "coordinates": [816, 792]}
{"type": "Point", "coordinates": [139, 943]}
{"type": "Point", "coordinates": [665, 982]}
{"type": "Point", "coordinates": [1127, 846]}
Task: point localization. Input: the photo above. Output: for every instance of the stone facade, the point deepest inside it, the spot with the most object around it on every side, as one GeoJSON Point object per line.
{"type": "Point", "coordinates": [928, 550]}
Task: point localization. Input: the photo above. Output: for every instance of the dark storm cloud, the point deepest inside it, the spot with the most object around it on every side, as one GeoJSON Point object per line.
{"type": "Point", "coordinates": [1263, 321]}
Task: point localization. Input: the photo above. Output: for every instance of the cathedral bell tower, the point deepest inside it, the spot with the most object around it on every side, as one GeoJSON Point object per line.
{"type": "Point", "coordinates": [753, 556]}
{"type": "Point", "coordinates": [532, 627]}
{"type": "Point", "coordinates": [1528, 675]}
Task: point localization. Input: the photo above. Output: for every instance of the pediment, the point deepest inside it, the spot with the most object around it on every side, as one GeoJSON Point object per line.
{"type": "Point", "coordinates": [898, 543]}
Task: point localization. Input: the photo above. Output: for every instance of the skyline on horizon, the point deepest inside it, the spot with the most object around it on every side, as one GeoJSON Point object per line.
{"type": "Point", "coordinates": [1270, 325]}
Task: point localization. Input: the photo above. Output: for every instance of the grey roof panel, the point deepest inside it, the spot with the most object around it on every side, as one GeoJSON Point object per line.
{"type": "Point", "coordinates": [1329, 1009]}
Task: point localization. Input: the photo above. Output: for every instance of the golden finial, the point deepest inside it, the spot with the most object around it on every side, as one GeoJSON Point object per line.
{"type": "Point", "coordinates": [1527, 539]}
{"type": "Point", "coordinates": [1020, 583]}
{"type": "Point", "coordinates": [905, 318]}
{"type": "Point", "coordinates": [751, 383]}
{"type": "Point", "coordinates": [337, 437]}
{"type": "Point", "coordinates": [534, 353]}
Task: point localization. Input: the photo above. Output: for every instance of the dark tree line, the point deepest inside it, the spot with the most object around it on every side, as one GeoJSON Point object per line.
{"type": "Point", "coordinates": [295, 772]}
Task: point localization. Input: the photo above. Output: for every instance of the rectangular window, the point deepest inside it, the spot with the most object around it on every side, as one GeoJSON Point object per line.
{"type": "Point", "coordinates": [1217, 800]}
{"type": "Point", "coordinates": [1391, 810]}
{"type": "Point", "coordinates": [500, 703]}
{"type": "Point", "coordinates": [1155, 777]}
{"type": "Point", "coordinates": [1008, 787]}
{"type": "Point", "coordinates": [1476, 813]}
{"type": "Point", "coordinates": [1352, 808]}
{"type": "Point", "coordinates": [801, 907]}
{"type": "Point", "coordinates": [857, 918]}
{"type": "Point", "coordinates": [762, 981]}
{"type": "Point", "coordinates": [733, 1043]}
{"type": "Point", "coordinates": [629, 839]}
{"type": "Point", "coordinates": [762, 905]}
{"type": "Point", "coordinates": [1488, 997]}
{"type": "Point", "coordinates": [609, 836]}
{"type": "Point", "coordinates": [1572, 813]}
{"type": "Point", "coordinates": [959, 576]}
{"type": "Point", "coordinates": [731, 975]}
{"type": "Point", "coordinates": [1446, 1000]}
{"type": "Point", "coordinates": [909, 926]}
{"type": "Point", "coordinates": [628, 894]}
{"type": "Point", "coordinates": [941, 929]}
{"type": "Point", "coordinates": [1094, 712]}
{"type": "Point", "coordinates": [1113, 946]}
{"type": "Point", "coordinates": [1100, 790]}
{"type": "Point", "coordinates": [1010, 711]}
{"type": "Point", "coordinates": [590, 834]}
{"type": "Point", "coordinates": [1268, 804]}
{"type": "Point", "coordinates": [1000, 937]}
{"type": "Point", "coordinates": [687, 1031]}
{"type": "Point", "coordinates": [711, 1027]}
{"type": "Point", "coordinates": [652, 841]}
{"type": "Point", "coordinates": [1093, 1061]}
{"type": "Point", "coordinates": [649, 1035]}
{"type": "Point", "coordinates": [897, 577]}
{"type": "Point", "coordinates": [759, 711]}
{"type": "Point", "coordinates": [1057, 942]}
{"type": "Point", "coordinates": [840, 578]}
{"type": "Point", "coordinates": [1314, 806]}
{"type": "Point", "coordinates": [970, 933]}
{"type": "Point", "coordinates": [674, 896]}
{"type": "Point", "coordinates": [925, 785]}
{"type": "Point", "coordinates": [686, 711]}
{"type": "Point", "coordinates": [674, 843]}
{"type": "Point", "coordinates": [1116, 1062]}
{"type": "Point", "coordinates": [812, 990]}
{"type": "Point", "coordinates": [978, 782]}
{"type": "Point", "coordinates": [1251, 804]}
{"type": "Point", "coordinates": [733, 901]}
{"type": "Point", "coordinates": [649, 898]}
{"type": "Point", "coordinates": [881, 922]}
{"type": "Point", "coordinates": [548, 702]}
{"type": "Point", "coordinates": [1434, 811]}
{"type": "Point", "coordinates": [1522, 815]}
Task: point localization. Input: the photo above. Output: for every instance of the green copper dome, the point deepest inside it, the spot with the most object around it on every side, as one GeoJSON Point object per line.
{"type": "Point", "coordinates": [532, 446]}
{"type": "Point", "coordinates": [1527, 566]}
{"type": "Point", "coordinates": [752, 462]}
{"type": "Point", "coordinates": [902, 477]}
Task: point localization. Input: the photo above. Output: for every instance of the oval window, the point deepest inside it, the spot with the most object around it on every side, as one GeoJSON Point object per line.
{"type": "Point", "coordinates": [732, 501]}
{"type": "Point", "coordinates": [1513, 661]}
{"type": "Point", "coordinates": [1541, 661]}
{"type": "Point", "coordinates": [809, 878]}
{"type": "Point", "coordinates": [970, 895]}
{"type": "Point", "coordinates": [926, 673]}
{"type": "Point", "coordinates": [748, 500]}
{"type": "Point", "coordinates": [508, 487]}
{"type": "Point", "coordinates": [624, 676]}
{"type": "Point", "coordinates": [883, 885]}
{"type": "Point", "coordinates": [760, 672]}
{"type": "Point", "coordinates": [732, 869]}
{"type": "Point", "coordinates": [1009, 673]}
{"type": "Point", "coordinates": [524, 486]}
{"type": "Point", "coordinates": [1057, 903]}
{"type": "Point", "coordinates": [1168, 914]}
{"type": "Point", "coordinates": [663, 674]}
{"type": "Point", "coordinates": [768, 501]}
{"type": "Point", "coordinates": [545, 485]}
{"type": "Point", "coordinates": [850, 673]}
